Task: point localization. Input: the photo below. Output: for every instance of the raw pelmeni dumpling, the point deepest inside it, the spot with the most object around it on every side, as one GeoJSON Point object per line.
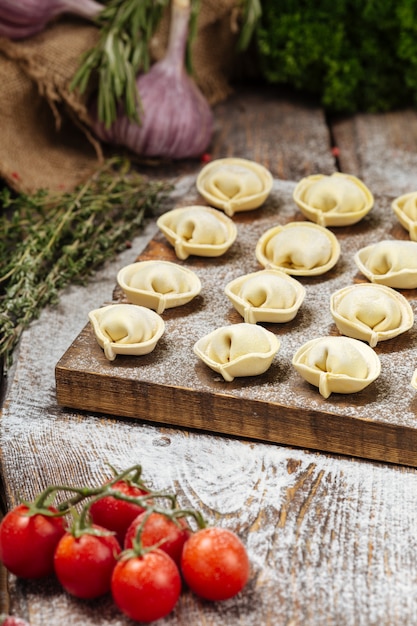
{"type": "Point", "coordinates": [389, 262]}
{"type": "Point", "coordinates": [234, 185]}
{"type": "Point", "coordinates": [337, 364]}
{"type": "Point", "coordinates": [238, 350]}
{"type": "Point", "coordinates": [198, 230]}
{"type": "Point", "coordinates": [266, 296]}
{"type": "Point", "coordinates": [371, 312]}
{"type": "Point", "coordinates": [405, 208]}
{"type": "Point", "coordinates": [126, 329]}
{"type": "Point", "coordinates": [158, 285]}
{"type": "Point", "coordinates": [298, 248]}
{"type": "Point", "coordinates": [336, 200]}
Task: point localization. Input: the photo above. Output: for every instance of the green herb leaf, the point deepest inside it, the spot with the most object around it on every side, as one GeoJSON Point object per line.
{"type": "Point", "coordinates": [126, 27]}
{"type": "Point", "coordinates": [48, 241]}
{"type": "Point", "coordinates": [252, 11]}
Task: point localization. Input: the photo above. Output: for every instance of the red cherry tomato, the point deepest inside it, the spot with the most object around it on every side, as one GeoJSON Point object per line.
{"type": "Point", "coordinates": [84, 565]}
{"type": "Point", "coordinates": [146, 588]}
{"type": "Point", "coordinates": [157, 528]}
{"type": "Point", "coordinates": [11, 620]}
{"type": "Point", "coordinates": [117, 515]}
{"type": "Point", "coordinates": [215, 563]}
{"type": "Point", "coordinates": [28, 542]}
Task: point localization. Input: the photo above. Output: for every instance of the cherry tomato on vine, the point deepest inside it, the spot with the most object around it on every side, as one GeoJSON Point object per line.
{"type": "Point", "coordinates": [160, 528]}
{"type": "Point", "coordinates": [147, 587]}
{"type": "Point", "coordinates": [28, 542]}
{"type": "Point", "coordinates": [84, 564]}
{"type": "Point", "coordinates": [215, 563]}
{"type": "Point", "coordinates": [117, 515]}
{"type": "Point", "coordinates": [11, 620]}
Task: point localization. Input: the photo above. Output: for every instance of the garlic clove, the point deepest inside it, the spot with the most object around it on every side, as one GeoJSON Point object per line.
{"type": "Point", "coordinates": [234, 185]}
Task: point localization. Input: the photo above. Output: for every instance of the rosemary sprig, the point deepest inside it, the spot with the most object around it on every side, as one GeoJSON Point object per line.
{"type": "Point", "coordinates": [251, 14]}
{"type": "Point", "coordinates": [126, 28]}
{"type": "Point", "coordinates": [47, 242]}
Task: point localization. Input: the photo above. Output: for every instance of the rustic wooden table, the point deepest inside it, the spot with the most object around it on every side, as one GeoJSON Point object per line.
{"type": "Point", "coordinates": [331, 539]}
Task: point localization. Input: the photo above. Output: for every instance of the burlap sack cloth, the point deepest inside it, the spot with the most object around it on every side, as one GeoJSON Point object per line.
{"type": "Point", "coordinates": [45, 137]}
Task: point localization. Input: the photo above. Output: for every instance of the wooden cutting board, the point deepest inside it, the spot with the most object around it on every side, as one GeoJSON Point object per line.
{"type": "Point", "coordinates": [171, 386]}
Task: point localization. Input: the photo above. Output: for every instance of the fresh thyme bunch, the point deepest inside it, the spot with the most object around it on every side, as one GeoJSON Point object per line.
{"type": "Point", "coordinates": [49, 241]}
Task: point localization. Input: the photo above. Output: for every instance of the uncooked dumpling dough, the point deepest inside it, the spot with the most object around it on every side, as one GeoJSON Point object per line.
{"type": "Point", "coordinates": [126, 329]}
{"type": "Point", "coordinates": [234, 184]}
{"type": "Point", "coordinates": [337, 364]}
{"type": "Point", "coordinates": [198, 230]}
{"type": "Point", "coordinates": [238, 350]}
{"type": "Point", "coordinates": [298, 248]}
{"type": "Point", "coordinates": [371, 312]}
{"type": "Point", "coordinates": [405, 208]}
{"type": "Point", "coordinates": [336, 200]}
{"type": "Point", "coordinates": [414, 379]}
{"type": "Point", "coordinates": [158, 284]}
{"type": "Point", "coordinates": [389, 262]}
{"type": "Point", "coordinates": [266, 296]}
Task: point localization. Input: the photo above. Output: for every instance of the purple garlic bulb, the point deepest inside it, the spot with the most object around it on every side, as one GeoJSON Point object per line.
{"type": "Point", "coordinates": [28, 17]}
{"type": "Point", "coordinates": [176, 120]}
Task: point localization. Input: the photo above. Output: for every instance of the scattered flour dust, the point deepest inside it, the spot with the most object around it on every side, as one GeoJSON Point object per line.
{"type": "Point", "coordinates": [329, 538]}
{"type": "Point", "coordinates": [390, 400]}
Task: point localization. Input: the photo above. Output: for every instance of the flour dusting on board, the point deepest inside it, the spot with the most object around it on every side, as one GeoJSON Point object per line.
{"type": "Point", "coordinates": [389, 400]}
{"type": "Point", "coordinates": [328, 538]}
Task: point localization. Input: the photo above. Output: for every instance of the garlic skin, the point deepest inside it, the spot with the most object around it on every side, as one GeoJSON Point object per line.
{"type": "Point", "coordinates": [28, 17]}
{"type": "Point", "coordinates": [176, 120]}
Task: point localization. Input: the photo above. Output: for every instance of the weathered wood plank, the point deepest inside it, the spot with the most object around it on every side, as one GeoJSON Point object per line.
{"type": "Point", "coordinates": [331, 539]}
{"type": "Point", "coordinates": [171, 386]}
{"type": "Point", "coordinates": [286, 135]}
{"type": "Point", "coordinates": [328, 538]}
{"type": "Point", "coordinates": [381, 149]}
